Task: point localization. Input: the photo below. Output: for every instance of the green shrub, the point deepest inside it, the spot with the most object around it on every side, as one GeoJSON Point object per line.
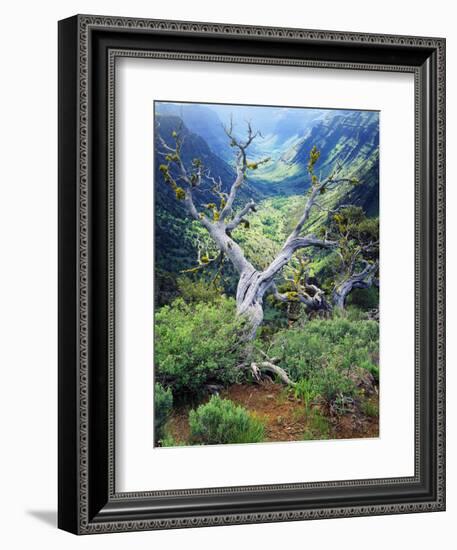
{"type": "Point", "coordinates": [163, 404]}
{"type": "Point", "coordinates": [332, 383]}
{"type": "Point", "coordinates": [371, 368]}
{"type": "Point", "coordinates": [196, 344]}
{"type": "Point", "coordinates": [169, 441]}
{"type": "Point", "coordinates": [320, 355]}
{"type": "Point", "coordinates": [198, 290]}
{"type": "Point", "coordinates": [339, 343]}
{"type": "Point", "coordinates": [221, 421]}
{"type": "Point", "coordinates": [298, 351]}
{"type": "Point", "coordinates": [369, 408]}
{"type": "Point", "coordinates": [305, 389]}
{"type": "Point", "coordinates": [352, 313]}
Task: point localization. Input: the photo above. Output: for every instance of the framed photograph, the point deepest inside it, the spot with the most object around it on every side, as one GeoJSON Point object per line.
{"type": "Point", "coordinates": [251, 274]}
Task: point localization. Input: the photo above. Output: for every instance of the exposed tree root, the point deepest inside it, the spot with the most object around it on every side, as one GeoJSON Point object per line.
{"type": "Point", "coordinates": [268, 366]}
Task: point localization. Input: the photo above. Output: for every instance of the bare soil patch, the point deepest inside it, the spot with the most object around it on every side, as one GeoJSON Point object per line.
{"type": "Point", "coordinates": [285, 417]}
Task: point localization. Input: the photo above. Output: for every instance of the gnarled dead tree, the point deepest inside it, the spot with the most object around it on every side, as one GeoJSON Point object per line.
{"type": "Point", "coordinates": [301, 289]}
{"type": "Point", "coordinates": [220, 218]}
{"type": "Point", "coordinates": [358, 250]}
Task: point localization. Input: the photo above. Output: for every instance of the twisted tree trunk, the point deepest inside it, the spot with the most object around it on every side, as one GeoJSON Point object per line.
{"type": "Point", "coordinates": [364, 279]}
{"type": "Point", "coordinates": [252, 284]}
{"type": "Point", "coordinates": [249, 299]}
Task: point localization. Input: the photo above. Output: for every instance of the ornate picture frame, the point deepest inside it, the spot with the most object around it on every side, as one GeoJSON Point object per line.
{"type": "Point", "coordinates": [88, 48]}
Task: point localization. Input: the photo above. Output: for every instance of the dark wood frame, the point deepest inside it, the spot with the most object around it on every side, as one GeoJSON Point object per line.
{"type": "Point", "coordinates": [88, 46]}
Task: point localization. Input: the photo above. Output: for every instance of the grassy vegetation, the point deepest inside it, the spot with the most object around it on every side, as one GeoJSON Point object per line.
{"type": "Point", "coordinates": [325, 359]}
{"type": "Point", "coordinates": [221, 421]}
{"type": "Point", "coordinates": [323, 350]}
{"type": "Point", "coordinates": [318, 427]}
{"type": "Point", "coordinates": [196, 344]}
{"type": "Point", "coordinates": [198, 336]}
{"type": "Point", "coordinates": [199, 346]}
{"type": "Point", "coordinates": [369, 408]}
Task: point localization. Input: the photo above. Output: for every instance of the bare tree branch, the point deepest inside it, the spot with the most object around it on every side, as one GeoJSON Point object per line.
{"type": "Point", "coordinates": [239, 217]}
{"type": "Point", "coordinates": [363, 279]}
{"type": "Point", "coordinates": [316, 190]}
{"type": "Point", "coordinates": [241, 164]}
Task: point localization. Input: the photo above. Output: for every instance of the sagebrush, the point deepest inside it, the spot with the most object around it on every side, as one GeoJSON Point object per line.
{"type": "Point", "coordinates": [221, 421]}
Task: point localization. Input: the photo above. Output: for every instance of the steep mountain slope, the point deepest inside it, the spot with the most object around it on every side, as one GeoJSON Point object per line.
{"type": "Point", "coordinates": [279, 188]}
{"type": "Point", "coordinates": [202, 121]}
{"type": "Point", "coordinates": [352, 139]}
{"type": "Point", "coordinates": [174, 237]}
{"type": "Point", "coordinates": [347, 137]}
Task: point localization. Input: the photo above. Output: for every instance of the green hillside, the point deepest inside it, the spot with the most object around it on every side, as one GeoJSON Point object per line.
{"type": "Point", "coordinates": [278, 187]}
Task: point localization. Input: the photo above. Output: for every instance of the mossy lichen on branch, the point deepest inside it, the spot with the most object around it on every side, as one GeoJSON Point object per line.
{"type": "Point", "coordinates": [313, 158]}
